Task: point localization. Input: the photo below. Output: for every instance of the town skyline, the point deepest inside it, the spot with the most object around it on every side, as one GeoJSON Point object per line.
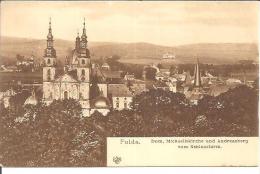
{"type": "Point", "coordinates": [179, 28]}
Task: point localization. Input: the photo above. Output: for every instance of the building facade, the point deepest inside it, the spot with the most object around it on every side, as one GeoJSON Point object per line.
{"type": "Point", "coordinates": [77, 80]}
{"type": "Point", "coordinates": [66, 86]}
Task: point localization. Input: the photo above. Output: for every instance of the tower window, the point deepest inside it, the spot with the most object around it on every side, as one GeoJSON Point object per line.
{"type": "Point", "coordinates": [125, 105]}
{"type": "Point", "coordinates": [83, 72]}
{"type": "Point", "coordinates": [48, 61]}
{"type": "Point", "coordinates": [66, 95]}
{"type": "Point", "coordinates": [83, 62]}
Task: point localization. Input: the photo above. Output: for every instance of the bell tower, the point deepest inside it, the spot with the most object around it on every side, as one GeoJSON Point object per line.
{"type": "Point", "coordinates": [83, 68]}
{"type": "Point", "coordinates": [49, 58]}
{"type": "Point", "coordinates": [49, 68]}
{"type": "Point", "coordinates": [83, 72]}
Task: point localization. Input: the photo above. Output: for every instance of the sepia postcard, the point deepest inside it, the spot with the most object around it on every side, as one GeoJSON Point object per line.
{"type": "Point", "coordinates": [129, 83]}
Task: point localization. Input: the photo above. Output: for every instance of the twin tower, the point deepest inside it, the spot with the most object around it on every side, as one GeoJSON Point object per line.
{"type": "Point", "coordinates": [65, 86]}
{"type": "Point", "coordinates": [81, 51]}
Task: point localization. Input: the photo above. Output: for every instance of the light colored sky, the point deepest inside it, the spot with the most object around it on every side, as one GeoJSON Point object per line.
{"type": "Point", "coordinates": [164, 23]}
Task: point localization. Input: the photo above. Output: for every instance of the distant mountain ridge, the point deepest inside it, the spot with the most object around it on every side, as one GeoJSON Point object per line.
{"type": "Point", "coordinates": [213, 53]}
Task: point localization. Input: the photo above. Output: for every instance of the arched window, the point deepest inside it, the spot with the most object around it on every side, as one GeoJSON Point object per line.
{"type": "Point", "coordinates": [66, 95]}
{"type": "Point", "coordinates": [83, 72]}
{"type": "Point", "coordinates": [49, 61]}
{"type": "Point", "coordinates": [125, 105]}
{"type": "Point", "coordinates": [83, 61]}
{"type": "Point", "coordinates": [48, 74]}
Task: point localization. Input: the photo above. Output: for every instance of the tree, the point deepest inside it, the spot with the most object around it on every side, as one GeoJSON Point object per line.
{"type": "Point", "coordinates": [150, 73]}
{"type": "Point", "coordinates": [160, 66]}
{"type": "Point", "coordinates": [56, 136]}
{"type": "Point", "coordinates": [125, 123]}
{"type": "Point", "coordinates": [163, 111]}
{"type": "Point", "coordinates": [236, 111]}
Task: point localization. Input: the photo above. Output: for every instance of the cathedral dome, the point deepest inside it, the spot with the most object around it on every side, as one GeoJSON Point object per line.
{"type": "Point", "coordinates": [31, 100]}
{"type": "Point", "coordinates": [101, 102]}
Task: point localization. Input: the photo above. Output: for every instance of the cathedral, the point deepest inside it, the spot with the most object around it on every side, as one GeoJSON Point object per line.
{"type": "Point", "coordinates": [75, 80]}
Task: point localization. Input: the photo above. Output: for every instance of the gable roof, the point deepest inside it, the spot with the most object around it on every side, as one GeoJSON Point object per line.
{"type": "Point", "coordinates": [119, 90]}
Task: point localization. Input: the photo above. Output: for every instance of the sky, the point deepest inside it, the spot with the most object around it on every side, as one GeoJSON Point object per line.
{"type": "Point", "coordinates": [163, 23]}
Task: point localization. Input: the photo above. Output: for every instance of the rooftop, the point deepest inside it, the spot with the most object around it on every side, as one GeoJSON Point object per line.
{"type": "Point", "coordinates": [119, 90]}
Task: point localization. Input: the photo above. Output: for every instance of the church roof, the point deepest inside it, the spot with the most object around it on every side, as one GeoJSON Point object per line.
{"type": "Point", "coordinates": [111, 74]}
{"type": "Point", "coordinates": [75, 57]}
{"type": "Point", "coordinates": [66, 78]}
{"type": "Point", "coordinates": [119, 90]}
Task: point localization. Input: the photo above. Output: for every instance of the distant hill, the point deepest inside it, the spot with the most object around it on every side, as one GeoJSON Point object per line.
{"type": "Point", "coordinates": [132, 52]}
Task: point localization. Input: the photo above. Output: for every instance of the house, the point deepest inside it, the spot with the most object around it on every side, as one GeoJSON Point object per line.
{"type": "Point", "coordinates": [129, 77]}
{"type": "Point", "coordinates": [9, 68]}
{"type": "Point", "coordinates": [161, 85]}
{"type": "Point", "coordinates": [160, 76]}
{"type": "Point", "coordinates": [120, 95]}
{"type": "Point", "coordinates": [168, 56]}
{"type": "Point", "coordinates": [5, 96]}
{"type": "Point", "coordinates": [165, 71]}
{"type": "Point", "coordinates": [105, 66]}
{"type": "Point", "coordinates": [172, 86]}
{"type": "Point", "coordinates": [233, 81]}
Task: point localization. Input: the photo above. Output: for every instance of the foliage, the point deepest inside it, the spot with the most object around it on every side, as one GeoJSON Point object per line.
{"type": "Point", "coordinates": [58, 135]}
{"type": "Point", "coordinates": [150, 73]}
{"type": "Point", "coordinates": [237, 107]}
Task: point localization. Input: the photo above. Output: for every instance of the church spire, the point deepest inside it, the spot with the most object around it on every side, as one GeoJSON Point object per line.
{"type": "Point", "coordinates": [197, 79]}
{"type": "Point", "coordinates": [49, 36]}
{"type": "Point", "coordinates": [84, 27]}
{"type": "Point", "coordinates": [84, 36]}
{"type": "Point", "coordinates": [50, 25]}
{"type": "Point", "coordinates": [50, 51]}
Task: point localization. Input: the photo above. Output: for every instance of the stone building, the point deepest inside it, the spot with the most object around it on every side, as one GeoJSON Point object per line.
{"type": "Point", "coordinates": [77, 80]}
